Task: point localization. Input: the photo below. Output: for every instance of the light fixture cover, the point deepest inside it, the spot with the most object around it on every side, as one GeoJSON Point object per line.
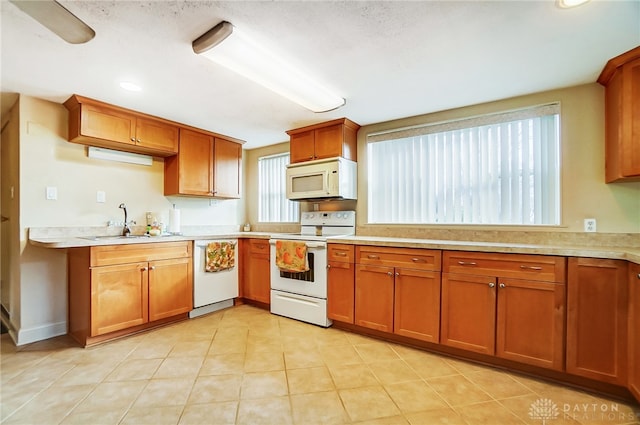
{"type": "Point", "coordinates": [119, 156]}
{"type": "Point", "coordinates": [56, 18]}
{"type": "Point", "coordinates": [227, 46]}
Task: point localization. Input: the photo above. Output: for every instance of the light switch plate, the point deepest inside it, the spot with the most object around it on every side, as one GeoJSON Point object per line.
{"type": "Point", "coordinates": [51, 193]}
{"type": "Point", "coordinates": [101, 196]}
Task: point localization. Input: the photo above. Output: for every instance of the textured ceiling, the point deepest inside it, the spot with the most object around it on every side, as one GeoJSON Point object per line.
{"type": "Point", "coordinates": [388, 59]}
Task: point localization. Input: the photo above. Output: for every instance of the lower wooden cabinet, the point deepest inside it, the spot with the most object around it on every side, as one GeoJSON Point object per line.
{"type": "Point", "coordinates": [256, 270]}
{"type": "Point", "coordinates": [119, 288]}
{"type": "Point", "coordinates": [340, 283]}
{"type": "Point", "coordinates": [530, 326]}
{"type": "Point", "coordinates": [516, 319]}
{"type": "Point", "coordinates": [119, 297]}
{"type": "Point", "coordinates": [597, 303]}
{"type": "Point", "coordinates": [634, 330]}
{"type": "Point", "coordinates": [374, 297]}
{"type": "Point", "coordinates": [398, 290]}
{"type": "Point", "coordinates": [417, 304]}
{"type": "Point", "coordinates": [170, 288]}
{"type": "Point", "coordinates": [468, 319]}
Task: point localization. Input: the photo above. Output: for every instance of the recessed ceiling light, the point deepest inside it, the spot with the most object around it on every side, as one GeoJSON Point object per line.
{"type": "Point", "coordinates": [127, 85]}
{"type": "Point", "coordinates": [566, 4]}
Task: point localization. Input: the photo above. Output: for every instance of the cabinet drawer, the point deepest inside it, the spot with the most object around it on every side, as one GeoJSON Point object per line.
{"type": "Point", "coordinates": [341, 253]}
{"type": "Point", "coordinates": [122, 254]}
{"type": "Point", "coordinates": [259, 246]}
{"type": "Point", "coordinates": [415, 258]}
{"type": "Point", "coordinates": [519, 266]}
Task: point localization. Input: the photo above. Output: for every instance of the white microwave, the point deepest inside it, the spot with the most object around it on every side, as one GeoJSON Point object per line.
{"type": "Point", "coordinates": [330, 178]}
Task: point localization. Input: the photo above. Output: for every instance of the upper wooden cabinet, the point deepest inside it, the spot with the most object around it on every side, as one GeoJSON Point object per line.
{"type": "Point", "coordinates": [324, 140]}
{"type": "Point", "coordinates": [95, 123]}
{"type": "Point", "coordinates": [621, 79]}
{"type": "Point", "coordinates": [205, 166]}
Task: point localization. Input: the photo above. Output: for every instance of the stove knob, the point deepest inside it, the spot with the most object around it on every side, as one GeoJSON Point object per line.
{"type": "Point", "coordinates": [309, 216]}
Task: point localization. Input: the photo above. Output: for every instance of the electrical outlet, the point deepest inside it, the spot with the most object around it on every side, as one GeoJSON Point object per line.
{"type": "Point", "coordinates": [589, 224]}
{"type": "Point", "coordinates": [51, 193]}
{"type": "Point", "coordinates": [101, 196]}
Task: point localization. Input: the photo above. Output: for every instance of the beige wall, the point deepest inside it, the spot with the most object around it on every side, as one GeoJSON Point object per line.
{"type": "Point", "coordinates": [48, 159]}
{"type": "Point", "coordinates": [583, 191]}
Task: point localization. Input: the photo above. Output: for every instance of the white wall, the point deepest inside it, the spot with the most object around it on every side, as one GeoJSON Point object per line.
{"type": "Point", "coordinates": [48, 159]}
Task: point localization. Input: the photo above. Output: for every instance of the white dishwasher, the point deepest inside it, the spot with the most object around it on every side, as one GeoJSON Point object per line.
{"type": "Point", "coordinates": [212, 291]}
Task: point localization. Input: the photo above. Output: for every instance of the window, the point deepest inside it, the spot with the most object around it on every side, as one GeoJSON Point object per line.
{"type": "Point", "coordinates": [495, 169]}
{"type": "Point", "coordinates": [273, 205]}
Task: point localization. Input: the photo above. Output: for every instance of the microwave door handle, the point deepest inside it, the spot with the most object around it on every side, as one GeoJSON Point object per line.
{"type": "Point", "coordinates": [327, 189]}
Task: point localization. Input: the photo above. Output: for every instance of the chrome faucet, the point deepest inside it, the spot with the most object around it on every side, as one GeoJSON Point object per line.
{"type": "Point", "coordinates": [125, 230]}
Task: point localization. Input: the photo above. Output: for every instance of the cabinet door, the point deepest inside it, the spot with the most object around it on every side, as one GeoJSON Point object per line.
{"type": "Point", "coordinates": [258, 285]}
{"type": "Point", "coordinates": [417, 304]}
{"type": "Point", "coordinates": [328, 141]}
{"type": "Point", "coordinates": [597, 297]}
{"type": "Point", "coordinates": [195, 164]}
{"type": "Point", "coordinates": [630, 139]}
{"type": "Point", "coordinates": [156, 135]}
{"type": "Point", "coordinates": [468, 312]}
{"type": "Point", "coordinates": [170, 288]}
{"type": "Point", "coordinates": [110, 125]}
{"type": "Point", "coordinates": [301, 147]}
{"type": "Point", "coordinates": [634, 330]}
{"type": "Point", "coordinates": [118, 297]}
{"type": "Point", "coordinates": [374, 297]}
{"type": "Point", "coordinates": [227, 163]}
{"type": "Point", "coordinates": [340, 291]}
{"type": "Point", "coordinates": [530, 325]}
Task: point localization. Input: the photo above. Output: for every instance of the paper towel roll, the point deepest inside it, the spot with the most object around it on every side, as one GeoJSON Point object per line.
{"type": "Point", "coordinates": [174, 221]}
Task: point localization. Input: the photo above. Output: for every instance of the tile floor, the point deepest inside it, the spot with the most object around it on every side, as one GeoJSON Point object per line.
{"type": "Point", "coordinates": [245, 366]}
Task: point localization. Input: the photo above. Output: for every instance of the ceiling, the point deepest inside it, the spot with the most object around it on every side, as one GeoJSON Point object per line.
{"type": "Point", "coordinates": [388, 59]}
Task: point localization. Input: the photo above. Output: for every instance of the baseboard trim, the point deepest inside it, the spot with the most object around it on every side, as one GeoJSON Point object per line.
{"type": "Point", "coordinates": [39, 333]}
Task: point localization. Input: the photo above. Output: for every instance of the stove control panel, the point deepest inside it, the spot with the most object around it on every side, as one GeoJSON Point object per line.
{"type": "Point", "coordinates": [328, 218]}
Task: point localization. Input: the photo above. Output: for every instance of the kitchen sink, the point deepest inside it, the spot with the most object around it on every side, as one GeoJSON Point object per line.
{"type": "Point", "coordinates": [113, 237]}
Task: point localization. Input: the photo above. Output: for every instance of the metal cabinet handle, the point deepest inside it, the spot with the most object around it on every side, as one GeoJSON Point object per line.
{"type": "Point", "coordinates": [502, 285]}
{"type": "Point", "coordinates": [523, 267]}
{"type": "Point", "coordinates": [397, 274]}
{"type": "Point", "coordinates": [339, 254]}
{"type": "Point", "coordinates": [328, 266]}
{"type": "Point", "coordinates": [152, 268]}
{"type": "Point", "coordinates": [418, 260]}
{"type": "Point", "coordinates": [492, 285]}
{"type": "Point", "coordinates": [138, 141]}
{"type": "Point", "coordinates": [638, 275]}
{"type": "Point", "coordinates": [144, 269]}
{"type": "Point", "coordinates": [133, 139]}
{"type": "Point", "coordinates": [467, 263]}
{"type": "Point", "coordinates": [373, 257]}
{"type": "Point", "coordinates": [390, 273]}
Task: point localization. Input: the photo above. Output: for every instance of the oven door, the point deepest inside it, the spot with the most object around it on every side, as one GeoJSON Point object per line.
{"type": "Point", "coordinates": [312, 283]}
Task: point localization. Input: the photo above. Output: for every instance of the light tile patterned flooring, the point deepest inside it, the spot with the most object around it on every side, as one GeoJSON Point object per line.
{"type": "Point", "coordinates": [246, 366]}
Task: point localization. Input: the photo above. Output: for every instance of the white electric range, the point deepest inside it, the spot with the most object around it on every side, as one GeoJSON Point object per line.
{"type": "Point", "coordinates": [303, 295]}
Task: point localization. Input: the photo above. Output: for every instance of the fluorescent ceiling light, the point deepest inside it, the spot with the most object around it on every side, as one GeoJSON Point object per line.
{"type": "Point", "coordinates": [566, 4]}
{"type": "Point", "coordinates": [118, 156]}
{"type": "Point", "coordinates": [227, 46]}
{"type": "Point", "coordinates": [59, 20]}
{"type": "Point", "coordinates": [127, 85]}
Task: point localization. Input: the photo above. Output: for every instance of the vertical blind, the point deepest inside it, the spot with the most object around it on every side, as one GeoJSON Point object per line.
{"type": "Point", "coordinates": [496, 169]}
{"type": "Point", "coordinates": [273, 205]}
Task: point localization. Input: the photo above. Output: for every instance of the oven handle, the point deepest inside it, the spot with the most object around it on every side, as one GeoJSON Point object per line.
{"type": "Point", "coordinates": [320, 245]}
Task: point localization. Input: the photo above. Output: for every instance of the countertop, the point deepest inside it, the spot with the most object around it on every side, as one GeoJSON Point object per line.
{"type": "Point", "coordinates": [631, 254]}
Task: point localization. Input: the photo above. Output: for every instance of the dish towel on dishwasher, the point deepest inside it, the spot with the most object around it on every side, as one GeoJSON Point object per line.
{"type": "Point", "coordinates": [291, 256]}
{"type": "Point", "coordinates": [220, 256]}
